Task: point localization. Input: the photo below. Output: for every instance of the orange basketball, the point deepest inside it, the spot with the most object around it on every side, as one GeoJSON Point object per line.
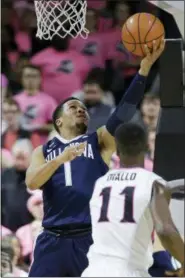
{"type": "Point", "coordinates": [141, 29]}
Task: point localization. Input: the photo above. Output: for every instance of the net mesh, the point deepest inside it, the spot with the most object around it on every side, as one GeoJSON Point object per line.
{"type": "Point", "coordinates": [61, 18]}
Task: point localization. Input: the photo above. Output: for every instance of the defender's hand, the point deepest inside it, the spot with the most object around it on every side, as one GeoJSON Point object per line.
{"type": "Point", "coordinates": [151, 57]}
{"type": "Point", "coordinates": [72, 152]}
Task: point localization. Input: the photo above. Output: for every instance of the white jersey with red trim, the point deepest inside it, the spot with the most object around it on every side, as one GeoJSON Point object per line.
{"type": "Point", "coordinates": [121, 219]}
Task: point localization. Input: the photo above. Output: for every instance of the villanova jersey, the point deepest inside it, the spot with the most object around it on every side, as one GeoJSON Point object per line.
{"type": "Point", "coordinates": [67, 193]}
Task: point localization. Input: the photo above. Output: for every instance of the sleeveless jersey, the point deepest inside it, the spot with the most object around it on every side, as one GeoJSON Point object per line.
{"type": "Point", "coordinates": [67, 193]}
{"type": "Point", "coordinates": [122, 224]}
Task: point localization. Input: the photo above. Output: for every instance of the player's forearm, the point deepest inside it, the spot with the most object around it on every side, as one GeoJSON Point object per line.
{"type": "Point", "coordinates": [173, 243]}
{"type": "Point", "coordinates": [128, 105]}
{"type": "Point", "coordinates": [144, 71]}
{"type": "Point", "coordinates": [36, 178]}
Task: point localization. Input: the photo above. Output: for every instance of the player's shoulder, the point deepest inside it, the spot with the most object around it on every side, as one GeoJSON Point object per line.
{"type": "Point", "coordinates": [52, 141]}
{"type": "Point", "coordinates": [58, 140]}
{"type": "Point", "coordinates": [102, 180]}
{"type": "Point", "coordinates": [50, 145]}
{"type": "Point", "coordinates": [149, 174]}
{"type": "Point", "coordinates": [157, 178]}
{"type": "Point", "coordinates": [99, 185]}
{"type": "Point", "coordinates": [92, 136]}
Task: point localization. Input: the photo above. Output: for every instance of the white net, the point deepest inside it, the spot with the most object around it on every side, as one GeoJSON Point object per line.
{"type": "Point", "coordinates": [61, 18]}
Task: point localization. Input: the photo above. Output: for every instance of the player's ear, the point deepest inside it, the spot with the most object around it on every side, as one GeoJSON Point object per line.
{"type": "Point", "coordinates": [59, 122]}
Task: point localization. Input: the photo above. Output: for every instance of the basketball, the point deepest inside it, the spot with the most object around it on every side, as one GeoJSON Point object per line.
{"type": "Point", "coordinates": [141, 29]}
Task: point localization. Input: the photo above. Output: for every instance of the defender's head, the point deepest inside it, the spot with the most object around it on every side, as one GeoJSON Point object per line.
{"type": "Point", "coordinates": [131, 142]}
{"type": "Point", "coordinates": [71, 114]}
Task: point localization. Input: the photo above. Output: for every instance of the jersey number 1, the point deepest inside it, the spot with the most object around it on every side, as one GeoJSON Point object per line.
{"type": "Point", "coordinates": [127, 207]}
{"type": "Point", "coordinates": [68, 174]}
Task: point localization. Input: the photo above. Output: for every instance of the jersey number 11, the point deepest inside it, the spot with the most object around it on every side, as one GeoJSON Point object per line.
{"type": "Point", "coordinates": [128, 192]}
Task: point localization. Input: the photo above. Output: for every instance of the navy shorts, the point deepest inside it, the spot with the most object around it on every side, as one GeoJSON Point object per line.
{"type": "Point", "coordinates": [58, 256]}
{"type": "Point", "coordinates": [162, 262]}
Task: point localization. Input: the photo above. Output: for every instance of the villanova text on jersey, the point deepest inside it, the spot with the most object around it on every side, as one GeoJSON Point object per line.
{"type": "Point", "coordinates": [67, 193]}
{"type": "Point", "coordinates": [88, 152]}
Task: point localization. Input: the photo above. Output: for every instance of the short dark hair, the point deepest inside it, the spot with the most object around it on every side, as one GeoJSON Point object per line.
{"type": "Point", "coordinates": [58, 111]}
{"type": "Point", "coordinates": [131, 139]}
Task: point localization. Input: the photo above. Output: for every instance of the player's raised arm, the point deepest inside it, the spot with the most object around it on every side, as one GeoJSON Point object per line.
{"type": "Point", "coordinates": [127, 106]}
{"type": "Point", "coordinates": [164, 226]}
{"type": "Point", "coordinates": [40, 171]}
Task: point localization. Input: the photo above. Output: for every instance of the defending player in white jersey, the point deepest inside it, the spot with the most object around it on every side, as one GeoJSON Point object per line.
{"type": "Point", "coordinates": [126, 206]}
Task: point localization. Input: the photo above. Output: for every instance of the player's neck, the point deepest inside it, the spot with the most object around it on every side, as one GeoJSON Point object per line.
{"type": "Point", "coordinates": [132, 162]}
{"type": "Point", "coordinates": [69, 134]}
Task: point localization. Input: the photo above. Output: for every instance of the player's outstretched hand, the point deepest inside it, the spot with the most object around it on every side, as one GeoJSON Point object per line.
{"type": "Point", "coordinates": [151, 57]}
{"type": "Point", "coordinates": [175, 273]}
{"type": "Point", "coordinates": [72, 152]}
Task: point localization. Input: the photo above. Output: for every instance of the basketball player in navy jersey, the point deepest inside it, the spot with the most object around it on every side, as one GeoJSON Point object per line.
{"type": "Point", "coordinates": [66, 169]}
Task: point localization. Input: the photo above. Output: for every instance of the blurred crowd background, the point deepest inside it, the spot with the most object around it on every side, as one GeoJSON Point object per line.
{"type": "Point", "coordinates": [36, 76]}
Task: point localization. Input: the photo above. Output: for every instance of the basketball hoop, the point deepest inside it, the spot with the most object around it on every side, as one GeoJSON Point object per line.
{"type": "Point", "coordinates": [61, 18]}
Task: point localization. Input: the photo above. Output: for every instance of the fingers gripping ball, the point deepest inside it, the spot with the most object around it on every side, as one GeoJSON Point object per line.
{"type": "Point", "coordinates": [141, 29]}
